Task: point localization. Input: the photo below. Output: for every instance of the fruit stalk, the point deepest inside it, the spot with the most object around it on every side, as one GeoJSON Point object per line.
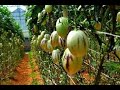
{"type": "Point", "coordinates": [65, 11]}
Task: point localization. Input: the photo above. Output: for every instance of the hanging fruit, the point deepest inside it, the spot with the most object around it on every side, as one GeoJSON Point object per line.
{"type": "Point", "coordinates": [44, 22]}
{"type": "Point", "coordinates": [49, 46]}
{"type": "Point", "coordinates": [56, 56]}
{"type": "Point", "coordinates": [34, 43]}
{"type": "Point", "coordinates": [118, 17]}
{"type": "Point", "coordinates": [47, 36]}
{"type": "Point", "coordinates": [48, 8]}
{"type": "Point", "coordinates": [42, 33]}
{"type": "Point", "coordinates": [43, 44]}
{"type": "Point", "coordinates": [1, 45]}
{"type": "Point", "coordinates": [97, 25]}
{"type": "Point", "coordinates": [54, 39]}
{"type": "Point", "coordinates": [117, 51]}
{"type": "Point", "coordinates": [35, 28]}
{"type": "Point", "coordinates": [77, 43]}
{"type": "Point", "coordinates": [34, 37]}
{"type": "Point", "coordinates": [62, 26]}
{"type": "Point", "coordinates": [70, 63]}
{"type": "Point", "coordinates": [39, 39]}
{"type": "Point", "coordinates": [41, 15]}
{"type": "Point", "coordinates": [62, 42]}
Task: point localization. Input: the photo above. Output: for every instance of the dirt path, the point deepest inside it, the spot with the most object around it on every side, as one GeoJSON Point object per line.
{"type": "Point", "coordinates": [25, 74]}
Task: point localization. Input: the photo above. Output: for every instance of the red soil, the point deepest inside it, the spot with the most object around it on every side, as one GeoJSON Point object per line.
{"type": "Point", "coordinates": [23, 72]}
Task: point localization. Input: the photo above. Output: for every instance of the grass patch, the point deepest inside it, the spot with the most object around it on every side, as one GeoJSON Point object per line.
{"type": "Point", "coordinates": [35, 82]}
{"type": "Point", "coordinates": [30, 58]}
{"type": "Point", "coordinates": [32, 65]}
{"type": "Point", "coordinates": [33, 75]}
{"type": "Point", "coordinates": [112, 67]}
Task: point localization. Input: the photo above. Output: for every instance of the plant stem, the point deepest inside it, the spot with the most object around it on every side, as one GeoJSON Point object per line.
{"type": "Point", "coordinates": [112, 43]}
{"type": "Point", "coordinates": [75, 17]}
{"type": "Point", "coordinates": [98, 77]}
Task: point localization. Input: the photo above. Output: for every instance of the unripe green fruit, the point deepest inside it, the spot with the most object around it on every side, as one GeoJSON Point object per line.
{"type": "Point", "coordinates": [48, 8]}
{"type": "Point", "coordinates": [62, 26]}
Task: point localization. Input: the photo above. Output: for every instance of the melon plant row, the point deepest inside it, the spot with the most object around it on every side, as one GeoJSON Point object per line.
{"type": "Point", "coordinates": [11, 44]}
{"type": "Point", "coordinates": [63, 35]}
